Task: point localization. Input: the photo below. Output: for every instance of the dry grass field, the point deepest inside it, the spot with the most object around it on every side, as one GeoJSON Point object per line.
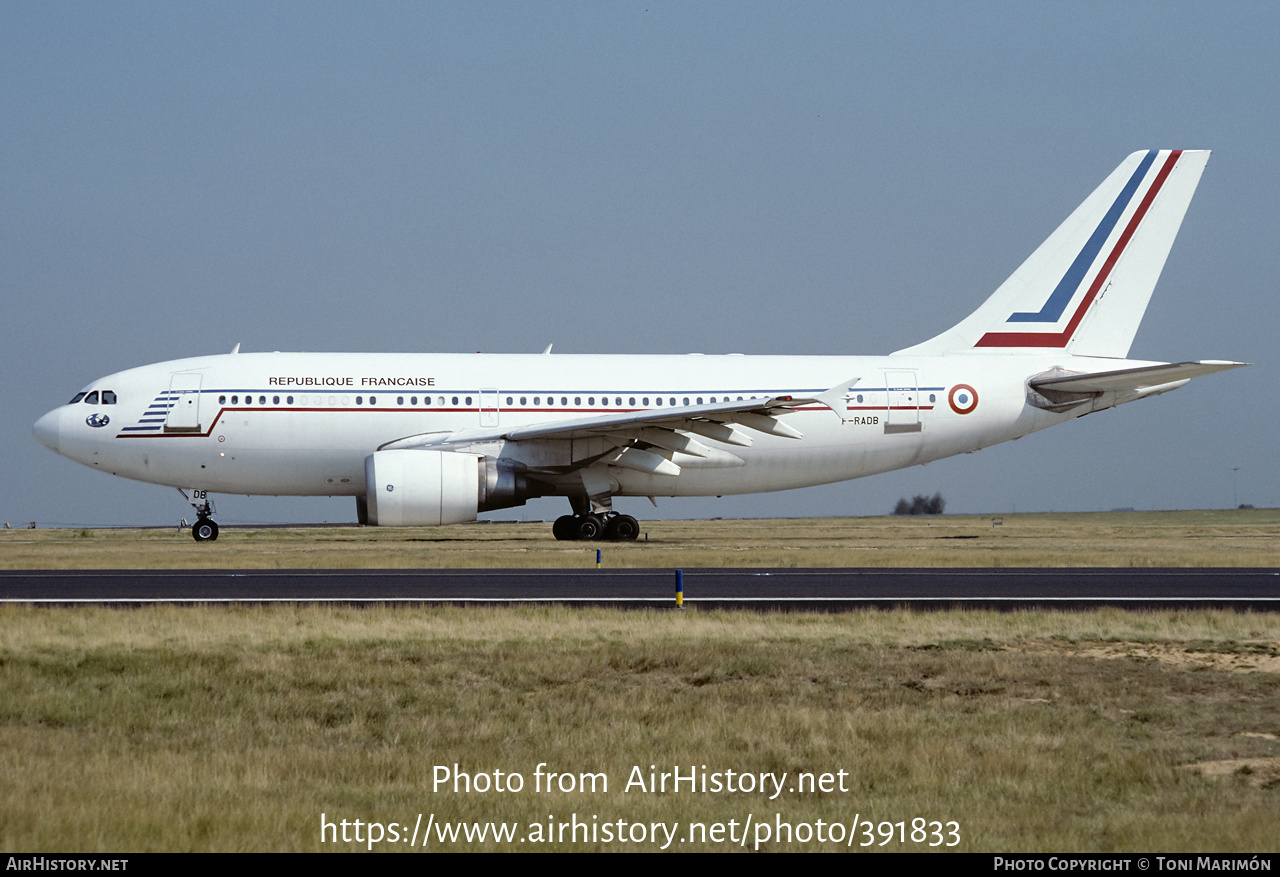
{"type": "Point", "coordinates": [236, 728]}
{"type": "Point", "coordinates": [1245, 538]}
{"type": "Point", "coordinates": [168, 728]}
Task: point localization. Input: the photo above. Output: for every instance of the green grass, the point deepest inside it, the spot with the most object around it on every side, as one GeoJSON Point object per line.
{"type": "Point", "coordinates": [170, 728]}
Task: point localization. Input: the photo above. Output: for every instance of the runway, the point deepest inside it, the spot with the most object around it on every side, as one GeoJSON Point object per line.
{"type": "Point", "coordinates": [763, 589]}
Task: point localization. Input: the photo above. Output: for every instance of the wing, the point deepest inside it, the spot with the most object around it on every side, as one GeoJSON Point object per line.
{"type": "Point", "coordinates": [646, 440]}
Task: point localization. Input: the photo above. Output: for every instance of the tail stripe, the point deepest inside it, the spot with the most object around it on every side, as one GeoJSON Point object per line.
{"type": "Point", "coordinates": [1057, 302]}
{"type": "Point", "coordinates": [1071, 281]}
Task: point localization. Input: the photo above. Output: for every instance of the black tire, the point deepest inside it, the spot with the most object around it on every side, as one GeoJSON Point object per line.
{"type": "Point", "coordinates": [589, 527]}
{"type": "Point", "coordinates": [565, 528]}
{"type": "Point", "coordinates": [624, 528]}
{"type": "Point", "coordinates": [205, 530]}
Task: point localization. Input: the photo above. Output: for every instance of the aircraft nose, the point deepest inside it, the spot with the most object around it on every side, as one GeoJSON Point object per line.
{"type": "Point", "coordinates": [47, 430]}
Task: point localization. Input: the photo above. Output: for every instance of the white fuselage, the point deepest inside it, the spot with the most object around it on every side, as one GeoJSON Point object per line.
{"type": "Point", "coordinates": [302, 424]}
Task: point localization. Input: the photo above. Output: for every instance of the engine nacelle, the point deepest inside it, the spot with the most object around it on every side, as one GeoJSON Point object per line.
{"type": "Point", "coordinates": [421, 488]}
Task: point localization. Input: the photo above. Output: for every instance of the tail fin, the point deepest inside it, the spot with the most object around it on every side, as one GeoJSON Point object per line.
{"type": "Point", "coordinates": [1086, 288]}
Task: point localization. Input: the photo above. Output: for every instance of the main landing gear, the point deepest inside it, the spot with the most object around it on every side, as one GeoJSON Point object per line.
{"type": "Point", "coordinates": [610, 525]}
{"type": "Point", "coordinates": [205, 529]}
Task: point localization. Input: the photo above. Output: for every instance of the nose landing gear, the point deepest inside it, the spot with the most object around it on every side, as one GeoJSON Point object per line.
{"type": "Point", "coordinates": [205, 529]}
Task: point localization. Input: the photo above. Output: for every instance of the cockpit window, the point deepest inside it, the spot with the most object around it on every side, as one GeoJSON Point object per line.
{"type": "Point", "coordinates": [108, 397]}
{"type": "Point", "coordinates": [92, 398]}
{"type": "Point", "coordinates": [76, 398]}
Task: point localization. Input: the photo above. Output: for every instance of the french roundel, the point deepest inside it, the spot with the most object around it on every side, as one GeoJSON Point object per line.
{"type": "Point", "coordinates": [962, 398]}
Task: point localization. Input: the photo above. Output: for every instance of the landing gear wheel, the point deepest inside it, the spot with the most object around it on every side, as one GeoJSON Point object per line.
{"type": "Point", "coordinates": [589, 527]}
{"type": "Point", "coordinates": [205, 530]}
{"type": "Point", "coordinates": [565, 528]}
{"type": "Point", "coordinates": [614, 527]}
{"type": "Point", "coordinates": [623, 528]}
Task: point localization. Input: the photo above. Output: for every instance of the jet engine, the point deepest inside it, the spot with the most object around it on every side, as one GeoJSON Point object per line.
{"type": "Point", "coordinates": [416, 488]}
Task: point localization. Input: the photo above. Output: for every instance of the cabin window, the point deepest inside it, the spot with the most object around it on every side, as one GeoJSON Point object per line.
{"type": "Point", "coordinates": [535, 400]}
{"type": "Point", "coordinates": [686, 400]}
{"type": "Point", "coordinates": [591, 400]}
{"type": "Point", "coordinates": [235, 400]}
{"type": "Point", "coordinates": [564, 401]}
{"type": "Point", "coordinates": [859, 398]}
{"type": "Point", "coordinates": [577, 401]}
{"type": "Point", "coordinates": [248, 400]}
{"type": "Point", "coordinates": [289, 399]}
{"type": "Point", "coordinates": [658, 400]}
{"type": "Point", "coordinates": [645, 401]}
{"type": "Point", "coordinates": [618, 402]}
{"type": "Point", "coordinates": [509, 401]}
{"type": "Point", "coordinates": [933, 398]}
{"type": "Point", "coordinates": [673, 400]}
{"type": "Point", "coordinates": [413, 400]}
{"type": "Point", "coordinates": [222, 400]}
{"type": "Point", "coordinates": [373, 400]}
{"type": "Point", "coordinates": [275, 400]}
{"type": "Point", "coordinates": [359, 400]}
{"type": "Point", "coordinates": [524, 400]}
{"type": "Point", "coordinates": [399, 400]}
{"type": "Point", "coordinates": [604, 400]}
{"type": "Point", "coordinates": [699, 400]}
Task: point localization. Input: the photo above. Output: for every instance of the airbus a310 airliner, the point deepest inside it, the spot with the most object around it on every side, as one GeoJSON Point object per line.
{"type": "Point", "coordinates": [427, 439]}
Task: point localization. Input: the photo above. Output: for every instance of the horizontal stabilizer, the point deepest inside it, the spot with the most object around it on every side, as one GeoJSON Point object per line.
{"type": "Point", "coordinates": [1062, 390]}
{"type": "Point", "coordinates": [1132, 379]}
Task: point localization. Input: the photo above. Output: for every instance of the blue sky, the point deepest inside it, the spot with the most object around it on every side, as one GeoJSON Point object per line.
{"type": "Point", "coordinates": [626, 177]}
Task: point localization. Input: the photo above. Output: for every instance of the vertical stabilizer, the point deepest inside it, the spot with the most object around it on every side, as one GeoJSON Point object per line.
{"type": "Point", "coordinates": [1086, 288]}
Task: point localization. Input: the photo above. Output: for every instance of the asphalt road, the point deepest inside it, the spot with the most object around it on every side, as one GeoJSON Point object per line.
{"type": "Point", "coordinates": [796, 589]}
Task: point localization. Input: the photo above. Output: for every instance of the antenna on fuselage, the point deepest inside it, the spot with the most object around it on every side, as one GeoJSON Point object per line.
{"type": "Point", "coordinates": [236, 349]}
{"type": "Point", "coordinates": [548, 350]}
